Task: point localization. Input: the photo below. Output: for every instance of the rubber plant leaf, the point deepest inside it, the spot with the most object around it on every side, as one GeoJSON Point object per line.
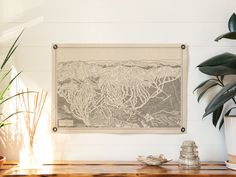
{"type": "Point", "coordinates": [229, 110]}
{"type": "Point", "coordinates": [227, 92]}
{"type": "Point", "coordinates": [204, 83]}
{"type": "Point", "coordinates": [232, 23]}
{"type": "Point", "coordinates": [221, 123]}
{"type": "Point", "coordinates": [223, 64]}
{"type": "Point", "coordinates": [230, 35]}
{"type": "Point", "coordinates": [216, 115]}
{"type": "Point", "coordinates": [218, 70]}
{"type": "Point", "coordinates": [205, 90]}
{"type": "Point", "coordinates": [232, 29]}
{"type": "Point", "coordinates": [226, 114]}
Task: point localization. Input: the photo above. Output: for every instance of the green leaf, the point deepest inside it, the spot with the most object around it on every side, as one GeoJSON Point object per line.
{"type": "Point", "coordinates": [21, 93]}
{"type": "Point", "coordinates": [5, 75]}
{"type": "Point", "coordinates": [2, 124]}
{"type": "Point", "coordinates": [227, 92]}
{"type": "Point", "coordinates": [223, 64]}
{"type": "Point", "coordinates": [218, 70]}
{"type": "Point", "coordinates": [8, 117]}
{"type": "Point", "coordinates": [228, 111]}
{"type": "Point", "coordinates": [232, 23]}
{"type": "Point", "coordinates": [221, 123]}
{"type": "Point", "coordinates": [230, 35]}
{"type": "Point", "coordinates": [226, 114]}
{"type": "Point", "coordinates": [205, 90]}
{"type": "Point", "coordinates": [204, 83]}
{"type": "Point", "coordinates": [9, 56]}
{"type": "Point", "coordinates": [11, 51]}
{"type": "Point", "coordinates": [221, 59]}
{"type": "Point", "coordinates": [2, 93]}
{"type": "Point", "coordinates": [232, 29]}
{"type": "Point", "coordinates": [216, 115]}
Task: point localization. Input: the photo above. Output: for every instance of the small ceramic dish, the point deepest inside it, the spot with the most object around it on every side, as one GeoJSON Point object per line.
{"type": "Point", "coordinates": [155, 160]}
{"type": "Point", "coordinates": [229, 165]}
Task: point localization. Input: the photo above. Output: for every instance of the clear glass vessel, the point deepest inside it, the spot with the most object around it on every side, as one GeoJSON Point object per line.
{"type": "Point", "coordinates": [188, 158]}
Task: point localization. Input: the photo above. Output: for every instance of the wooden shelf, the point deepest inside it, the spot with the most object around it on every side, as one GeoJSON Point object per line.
{"type": "Point", "coordinates": [115, 168]}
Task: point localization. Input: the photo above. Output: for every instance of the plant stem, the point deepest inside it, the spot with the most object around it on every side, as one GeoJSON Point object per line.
{"type": "Point", "coordinates": [220, 81]}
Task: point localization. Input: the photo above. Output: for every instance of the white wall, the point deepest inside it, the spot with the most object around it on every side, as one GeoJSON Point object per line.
{"type": "Point", "coordinates": [194, 22]}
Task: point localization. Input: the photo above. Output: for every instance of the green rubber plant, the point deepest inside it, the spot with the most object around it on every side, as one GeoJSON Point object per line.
{"type": "Point", "coordinates": [5, 84]}
{"type": "Point", "coordinates": [218, 67]}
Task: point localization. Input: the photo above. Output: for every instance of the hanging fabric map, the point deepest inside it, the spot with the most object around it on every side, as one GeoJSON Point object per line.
{"type": "Point", "coordinates": [120, 88]}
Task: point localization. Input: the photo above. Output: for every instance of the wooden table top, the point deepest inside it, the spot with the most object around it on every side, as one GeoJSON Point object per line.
{"type": "Point", "coordinates": [122, 169]}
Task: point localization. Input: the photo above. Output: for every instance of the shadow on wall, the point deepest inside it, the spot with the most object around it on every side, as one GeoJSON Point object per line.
{"type": "Point", "coordinates": [24, 15]}
{"type": "Point", "coordinates": [14, 137]}
{"type": "Point", "coordinates": [17, 10]}
{"type": "Point", "coordinates": [11, 139]}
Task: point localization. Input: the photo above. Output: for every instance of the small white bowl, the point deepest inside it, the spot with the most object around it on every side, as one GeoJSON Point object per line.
{"type": "Point", "coordinates": [229, 165]}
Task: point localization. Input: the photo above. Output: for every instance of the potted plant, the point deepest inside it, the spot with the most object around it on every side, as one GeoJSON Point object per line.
{"type": "Point", "coordinates": [5, 84]}
{"type": "Point", "coordinates": [222, 104]}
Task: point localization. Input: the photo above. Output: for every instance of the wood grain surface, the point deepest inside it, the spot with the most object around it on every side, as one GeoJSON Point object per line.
{"type": "Point", "coordinates": [110, 169]}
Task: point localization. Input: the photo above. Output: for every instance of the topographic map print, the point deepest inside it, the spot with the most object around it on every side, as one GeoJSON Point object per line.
{"type": "Point", "coordinates": [119, 94]}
